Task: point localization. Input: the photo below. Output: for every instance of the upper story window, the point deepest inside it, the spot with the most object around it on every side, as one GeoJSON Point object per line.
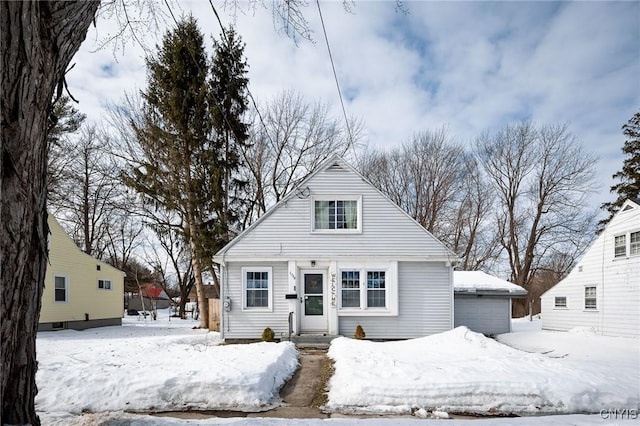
{"type": "Point", "coordinates": [620, 246]}
{"type": "Point", "coordinates": [104, 284]}
{"type": "Point", "coordinates": [620, 243]}
{"type": "Point", "coordinates": [634, 243]}
{"type": "Point", "coordinates": [560, 302]}
{"type": "Point", "coordinates": [336, 214]}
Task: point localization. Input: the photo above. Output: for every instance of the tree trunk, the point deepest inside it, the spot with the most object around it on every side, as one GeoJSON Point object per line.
{"type": "Point", "coordinates": [38, 40]}
{"type": "Point", "coordinates": [203, 306]}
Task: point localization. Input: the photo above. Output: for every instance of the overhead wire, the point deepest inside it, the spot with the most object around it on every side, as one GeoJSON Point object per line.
{"type": "Point", "coordinates": [335, 77]}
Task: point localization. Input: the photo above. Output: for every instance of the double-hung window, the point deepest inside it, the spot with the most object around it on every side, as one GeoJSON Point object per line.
{"type": "Point", "coordinates": [257, 288]}
{"type": "Point", "coordinates": [590, 298]}
{"type": "Point", "coordinates": [620, 246]}
{"type": "Point", "coordinates": [634, 243]}
{"type": "Point", "coordinates": [350, 289]}
{"type": "Point", "coordinates": [339, 214]}
{"type": "Point", "coordinates": [104, 284]}
{"type": "Point", "coordinates": [61, 289]}
{"type": "Point", "coordinates": [376, 290]}
{"type": "Point", "coordinates": [363, 289]}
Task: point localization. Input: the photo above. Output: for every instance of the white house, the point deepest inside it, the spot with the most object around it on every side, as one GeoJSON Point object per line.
{"type": "Point", "coordinates": [333, 254]}
{"type": "Point", "coordinates": [603, 290]}
{"type": "Point", "coordinates": [482, 302]}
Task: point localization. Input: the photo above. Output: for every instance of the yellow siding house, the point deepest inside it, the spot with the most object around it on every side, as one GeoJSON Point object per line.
{"type": "Point", "coordinates": [80, 292]}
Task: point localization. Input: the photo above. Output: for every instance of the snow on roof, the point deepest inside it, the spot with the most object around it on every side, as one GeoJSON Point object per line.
{"type": "Point", "coordinates": [470, 281]}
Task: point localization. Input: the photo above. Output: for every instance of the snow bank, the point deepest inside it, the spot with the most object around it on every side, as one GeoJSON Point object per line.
{"type": "Point", "coordinates": [157, 368]}
{"type": "Point", "coordinates": [463, 371]}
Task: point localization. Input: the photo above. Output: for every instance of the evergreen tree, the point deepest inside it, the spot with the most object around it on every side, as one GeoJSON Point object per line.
{"type": "Point", "coordinates": [229, 102]}
{"type": "Point", "coordinates": [175, 141]}
{"type": "Point", "coordinates": [629, 176]}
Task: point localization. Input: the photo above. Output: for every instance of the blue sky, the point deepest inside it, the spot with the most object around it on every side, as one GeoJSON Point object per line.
{"type": "Point", "coordinates": [469, 66]}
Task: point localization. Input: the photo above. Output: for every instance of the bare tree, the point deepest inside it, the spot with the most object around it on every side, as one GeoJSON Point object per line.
{"type": "Point", "coordinates": [289, 140]}
{"type": "Point", "coordinates": [542, 178]}
{"type": "Point", "coordinates": [86, 193]}
{"type": "Point", "coordinates": [173, 264]}
{"type": "Point", "coordinates": [471, 233]}
{"type": "Point", "coordinates": [439, 185]}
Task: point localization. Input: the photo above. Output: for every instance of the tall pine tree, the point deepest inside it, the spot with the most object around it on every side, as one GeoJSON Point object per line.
{"type": "Point", "coordinates": [175, 141]}
{"type": "Point", "coordinates": [190, 139]}
{"type": "Point", "coordinates": [229, 103]}
{"type": "Point", "coordinates": [629, 176]}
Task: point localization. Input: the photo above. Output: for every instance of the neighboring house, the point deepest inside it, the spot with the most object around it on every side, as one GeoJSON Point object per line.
{"type": "Point", "coordinates": [149, 297]}
{"type": "Point", "coordinates": [333, 254]}
{"type": "Point", "coordinates": [80, 292]}
{"type": "Point", "coordinates": [602, 291]}
{"type": "Point", "coordinates": [482, 302]}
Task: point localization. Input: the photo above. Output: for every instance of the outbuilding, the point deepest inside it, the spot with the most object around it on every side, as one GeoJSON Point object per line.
{"type": "Point", "coordinates": [482, 302]}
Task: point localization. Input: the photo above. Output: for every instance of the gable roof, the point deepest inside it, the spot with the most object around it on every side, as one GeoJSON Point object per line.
{"type": "Point", "coordinates": [480, 282]}
{"type": "Point", "coordinates": [57, 231]}
{"type": "Point", "coordinates": [334, 162]}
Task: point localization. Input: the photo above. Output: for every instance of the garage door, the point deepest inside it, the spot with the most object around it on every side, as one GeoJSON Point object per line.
{"type": "Point", "coordinates": [488, 315]}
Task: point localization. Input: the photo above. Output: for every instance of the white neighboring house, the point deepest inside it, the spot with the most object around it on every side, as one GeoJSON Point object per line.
{"type": "Point", "coordinates": [335, 253]}
{"type": "Point", "coordinates": [602, 291]}
{"type": "Point", "coordinates": [483, 302]}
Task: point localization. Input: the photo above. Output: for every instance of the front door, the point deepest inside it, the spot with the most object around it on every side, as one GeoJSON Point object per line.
{"type": "Point", "coordinates": [314, 309]}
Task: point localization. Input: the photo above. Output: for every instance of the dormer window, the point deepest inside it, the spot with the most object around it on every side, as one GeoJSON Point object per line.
{"type": "Point", "coordinates": [336, 214]}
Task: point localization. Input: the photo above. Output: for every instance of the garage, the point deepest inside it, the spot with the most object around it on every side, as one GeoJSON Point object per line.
{"type": "Point", "coordinates": [482, 302]}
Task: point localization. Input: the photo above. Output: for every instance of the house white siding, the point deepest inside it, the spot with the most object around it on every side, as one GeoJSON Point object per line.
{"type": "Point", "coordinates": [617, 283]}
{"type": "Point", "coordinates": [385, 229]}
{"type": "Point", "coordinates": [240, 323]}
{"type": "Point", "coordinates": [425, 305]}
{"type": "Point", "coordinates": [330, 272]}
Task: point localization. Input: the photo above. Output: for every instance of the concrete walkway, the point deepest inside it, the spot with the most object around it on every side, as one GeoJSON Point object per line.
{"type": "Point", "coordinates": [306, 385]}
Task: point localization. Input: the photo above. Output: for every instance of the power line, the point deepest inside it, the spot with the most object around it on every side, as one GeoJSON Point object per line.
{"type": "Point", "coordinates": [335, 77]}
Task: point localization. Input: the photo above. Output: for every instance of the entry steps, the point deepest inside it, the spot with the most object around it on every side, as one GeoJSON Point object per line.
{"type": "Point", "coordinates": [309, 339]}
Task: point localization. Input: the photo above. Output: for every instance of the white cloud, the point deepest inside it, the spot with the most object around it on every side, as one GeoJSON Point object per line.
{"type": "Point", "coordinates": [472, 66]}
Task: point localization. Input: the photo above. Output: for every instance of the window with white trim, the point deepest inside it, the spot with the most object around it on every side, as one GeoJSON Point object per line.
{"type": "Point", "coordinates": [620, 246]}
{"type": "Point", "coordinates": [634, 243]}
{"type": "Point", "coordinates": [257, 288]}
{"type": "Point", "coordinates": [560, 302]}
{"type": "Point", "coordinates": [104, 284]}
{"type": "Point", "coordinates": [376, 290]}
{"type": "Point", "coordinates": [590, 298]}
{"type": "Point", "coordinates": [350, 289]}
{"type": "Point", "coordinates": [336, 214]}
{"type": "Point", "coordinates": [363, 289]}
{"type": "Point", "coordinates": [61, 289]}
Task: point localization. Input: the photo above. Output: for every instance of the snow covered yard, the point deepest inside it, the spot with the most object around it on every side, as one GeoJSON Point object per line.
{"type": "Point", "coordinates": [462, 371]}
{"type": "Point", "coordinates": [157, 365]}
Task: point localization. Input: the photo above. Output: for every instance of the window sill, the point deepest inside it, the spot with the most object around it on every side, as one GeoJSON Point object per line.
{"type": "Point", "coordinates": [335, 231]}
{"type": "Point", "coordinates": [561, 308]}
{"type": "Point", "coordinates": [366, 313]}
{"type": "Point", "coordinates": [589, 310]}
{"type": "Point", "coordinates": [256, 310]}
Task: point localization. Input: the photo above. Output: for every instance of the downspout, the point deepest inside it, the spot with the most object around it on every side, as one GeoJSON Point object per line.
{"type": "Point", "coordinates": [223, 295]}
